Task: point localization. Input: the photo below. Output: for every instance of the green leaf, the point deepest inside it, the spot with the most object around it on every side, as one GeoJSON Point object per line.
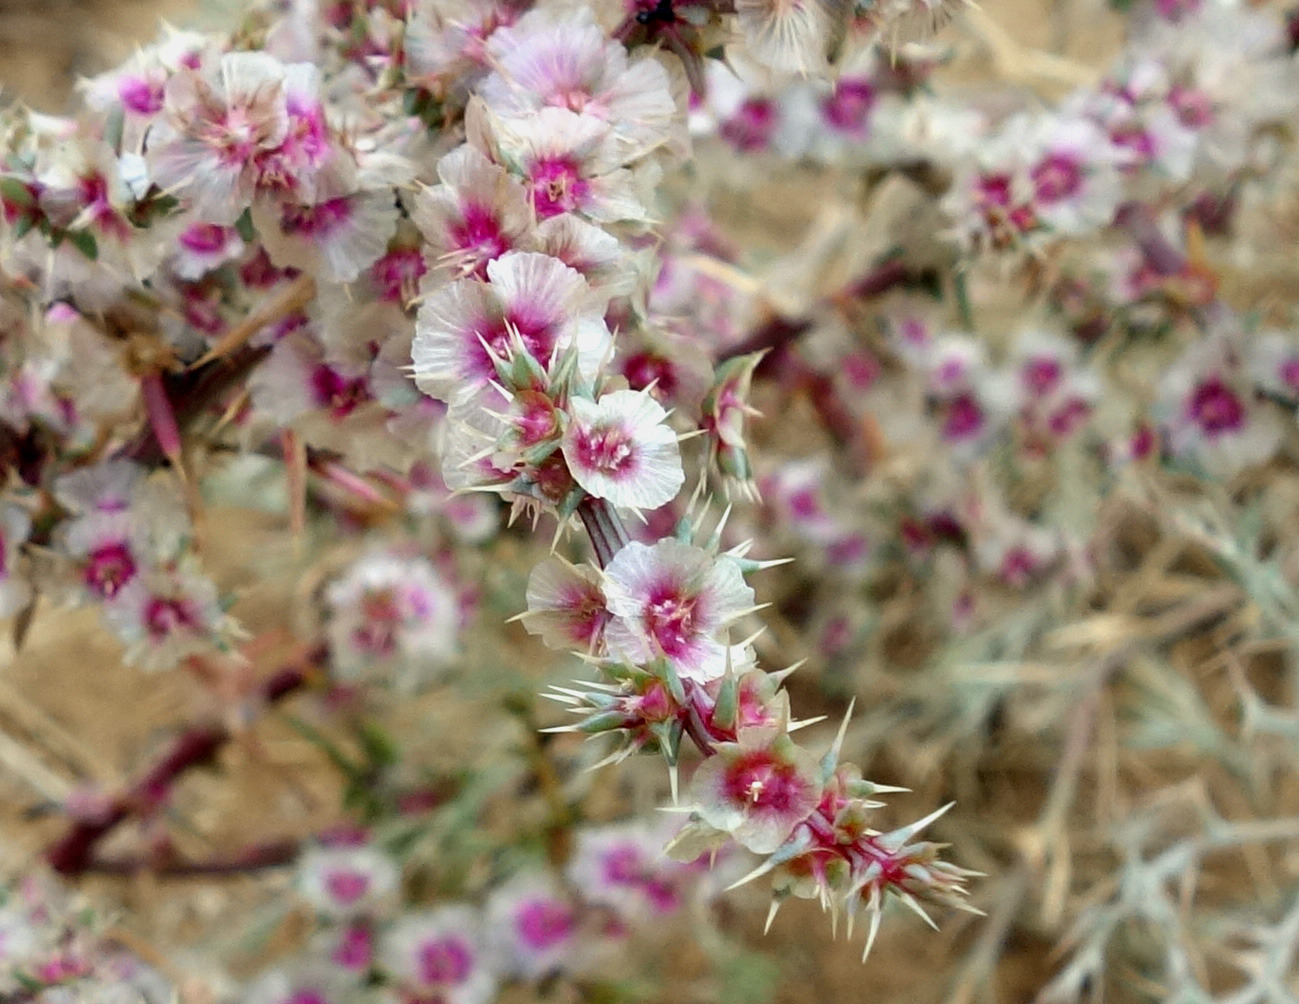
{"type": "Point", "coordinates": [84, 241]}
{"type": "Point", "coordinates": [15, 192]}
{"type": "Point", "coordinates": [244, 226]}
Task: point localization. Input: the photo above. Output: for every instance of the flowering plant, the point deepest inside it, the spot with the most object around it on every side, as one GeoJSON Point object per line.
{"type": "Point", "coordinates": [423, 259]}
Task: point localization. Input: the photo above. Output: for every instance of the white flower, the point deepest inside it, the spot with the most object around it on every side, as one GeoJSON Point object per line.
{"type": "Point", "coordinates": [620, 448]}
{"type": "Point", "coordinates": [439, 954]}
{"type": "Point", "coordinates": [671, 600]}
{"type": "Point", "coordinates": [347, 881]}
{"type": "Point", "coordinates": [392, 614]}
{"type": "Point", "coordinates": [538, 300]}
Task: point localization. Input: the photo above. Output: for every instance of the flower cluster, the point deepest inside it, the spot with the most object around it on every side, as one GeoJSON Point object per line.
{"type": "Point", "coordinates": [427, 260]}
{"type": "Point", "coordinates": [532, 926]}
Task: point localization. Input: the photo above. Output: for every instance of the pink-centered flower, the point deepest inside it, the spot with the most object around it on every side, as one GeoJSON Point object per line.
{"type": "Point", "coordinates": [347, 881]}
{"type": "Point", "coordinates": [216, 122]}
{"type": "Point", "coordinates": [390, 614]}
{"type": "Point", "coordinates": [532, 927]}
{"type": "Point", "coordinates": [337, 238]}
{"type": "Point", "coordinates": [438, 955]}
{"type": "Point", "coordinates": [570, 163]}
{"type": "Point", "coordinates": [671, 600]}
{"type": "Point", "coordinates": [566, 606]}
{"type": "Point", "coordinates": [477, 213]}
{"type": "Point", "coordinates": [165, 615]}
{"type": "Point", "coordinates": [758, 789]}
{"type": "Point", "coordinates": [545, 61]}
{"type": "Point", "coordinates": [1210, 411]}
{"type": "Point", "coordinates": [529, 300]}
{"type": "Point", "coordinates": [621, 448]}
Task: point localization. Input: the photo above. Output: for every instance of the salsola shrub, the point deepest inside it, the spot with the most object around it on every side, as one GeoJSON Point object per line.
{"type": "Point", "coordinates": [446, 274]}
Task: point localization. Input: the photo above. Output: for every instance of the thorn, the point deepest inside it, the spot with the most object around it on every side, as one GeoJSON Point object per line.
{"type": "Point", "coordinates": [897, 838]}
{"type": "Point", "coordinates": [771, 915]}
{"type": "Point", "coordinates": [758, 872]}
{"type": "Point", "coordinates": [910, 902]}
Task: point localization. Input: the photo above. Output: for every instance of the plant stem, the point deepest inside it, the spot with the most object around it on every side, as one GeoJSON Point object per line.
{"type": "Point", "coordinates": [74, 853]}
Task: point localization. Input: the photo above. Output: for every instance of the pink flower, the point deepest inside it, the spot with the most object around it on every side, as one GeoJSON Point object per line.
{"type": "Point", "coordinates": [1210, 411]}
{"type": "Point", "coordinates": [547, 60]}
{"type": "Point", "coordinates": [620, 448]}
{"type": "Point", "coordinates": [670, 600]}
{"type": "Point", "coordinates": [529, 299]}
{"type": "Point", "coordinates": [347, 881]}
{"type": "Point", "coordinates": [570, 163]}
{"type": "Point", "coordinates": [217, 121]}
{"type": "Point", "coordinates": [477, 213]}
{"type": "Point", "coordinates": [566, 606]}
{"type": "Point", "coordinates": [758, 789]}
{"type": "Point", "coordinates": [395, 615]}
{"type": "Point", "coordinates": [166, 615]}
{"type": "Point", "coordinates": [623, 867]}
{"type": "Point", "coordinates": [438, 955]}
{"type": "Point", "coordinates": [337, 238]}
{"type": "Point", "coordinates": [533, 927]}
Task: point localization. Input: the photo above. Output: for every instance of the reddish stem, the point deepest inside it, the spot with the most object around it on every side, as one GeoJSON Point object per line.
{"type": "Point", "coordinates": [604, 527]}
{"type": "Point", "coordinates": [255, 858]}
{"type": "Point", "coordinates": [74, 853]}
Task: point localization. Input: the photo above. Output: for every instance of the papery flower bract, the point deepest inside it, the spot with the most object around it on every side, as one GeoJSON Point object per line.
{"type": "Point", "coordinates": [438, 955]}
{"type": "Point", "coordinates": [532, 927]}
{"type": "Point", "coordinates": [566, 605]}
{"type": "Point", "coordinates": [216, 122]}
{"type": "Point", "coordinates": [550, 61]}
{"type": "Point", "coordinates": [790, 35]}
{"type": "Point", "coordinates": [477, 213]}
{"type": "Point", "coordinates": [345, 881]}
{"type": "Point", "coordinates": [757, 790]}
{"type": "Point", "coordinates": [621, 448]}
{"type": "Point", "coordinates": [390, 614]}
{"type": "Point", "coordinates": [670, 600]}
{"type": "Point", "coordinates": [338, 238]}
{"type": "Point", "coordinates": [570, 163]}
{"type": "Point", "coordinates": [545, 304]}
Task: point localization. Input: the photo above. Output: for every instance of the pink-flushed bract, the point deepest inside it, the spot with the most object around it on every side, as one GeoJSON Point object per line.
{"type": "Point", "coordinates": [672, 600]}
{"type": "Point", "coordinates": [620, 448]}
{"type": "Point", "coordinates": [347, 881]}
{"type": "Point", "coordinates": [566, 606]}
{"type": "Point", "coordinates": [757, 790]}
{"type": "Point", "coordinates": [532, 298]}
{"type": "Point", "coordinates": [439, 955]}
{"type": "Point", "coordinates": [392, 616]}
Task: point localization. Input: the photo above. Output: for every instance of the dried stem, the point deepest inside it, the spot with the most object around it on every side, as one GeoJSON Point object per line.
{"type": "Point", "coordinates": [74, 853]}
